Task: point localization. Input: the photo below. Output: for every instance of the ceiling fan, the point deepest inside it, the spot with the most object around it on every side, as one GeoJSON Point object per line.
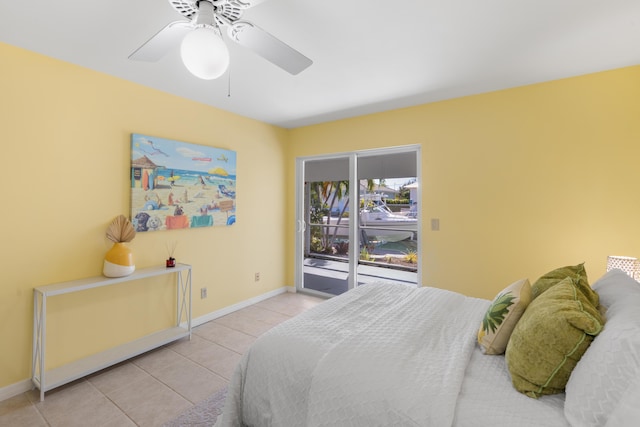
{"type": "Point", "coordinates": [203, 49]}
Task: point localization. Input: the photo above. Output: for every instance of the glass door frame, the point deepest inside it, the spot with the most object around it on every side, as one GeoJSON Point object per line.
{"type": "Point", "coordinates": [354, 236]}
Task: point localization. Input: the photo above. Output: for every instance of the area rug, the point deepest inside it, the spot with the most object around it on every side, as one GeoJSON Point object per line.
{"type": "Point", "coordinates": [203, 414]}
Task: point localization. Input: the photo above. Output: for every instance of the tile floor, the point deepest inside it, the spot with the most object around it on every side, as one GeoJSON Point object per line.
{"type": "Point", "coordinates": [157, 386]}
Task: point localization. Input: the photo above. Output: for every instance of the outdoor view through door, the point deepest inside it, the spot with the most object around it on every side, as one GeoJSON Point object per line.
{"type": "Point", "coordinates": [384, 217]}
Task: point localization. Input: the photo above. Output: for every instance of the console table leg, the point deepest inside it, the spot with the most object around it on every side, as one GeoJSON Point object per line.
{"type": "Point", "coordinates": [38, 349]}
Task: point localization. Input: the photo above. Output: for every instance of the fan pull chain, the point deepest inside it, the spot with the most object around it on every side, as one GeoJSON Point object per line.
{"type": "Point", "coordinates": [229, 83]}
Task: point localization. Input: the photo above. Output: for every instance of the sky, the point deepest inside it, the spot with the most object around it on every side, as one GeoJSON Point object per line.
{"type": "Point", "coordinates": [182, 155]}
{"type": "Point", "coordinates": [396, 183]}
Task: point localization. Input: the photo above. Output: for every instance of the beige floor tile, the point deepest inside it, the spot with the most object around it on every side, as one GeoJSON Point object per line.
{"type": "Point", "coordinates": [308, 301]}
{"type": "Point", "coordinates": [149, 402]}
{"type": "Point", "coordinates": [264, 315]}
{"type": "Point", "coordinates": [192, 381]}
{"type": "Point", "coordinates": [187, 346]}
{"type": "Point", "coordinates": [244, 324]}
{"type": "Point", "coordinates": [280, 307]}
{"type": "Point", "coordinates": [156, 406]}
{"type": "Point", "coordinates": [225, 336]}
{"type": "Point", "coordinates": [217, 359]}
{"type": "Point", "coordinates": [96, 413]}
{"type": "Point", "coordinates": [120, 421]}
{"type": "Point", "coordinates": [290, 304]}
{"type": "Point", "coordinates": [65, 398]}
{"type": "Point", "coordinates": [19, 411]}
{"type": "Point", "coordinates": [158, 410]}
{"type": "Point", "coordinates": [118, 376]}
{"type": "Point", "coordinates": [135, 393]}
{"type": "Point", "coordinates": [77, 404]}
{"type": "Point", "coordinates": [159, 359]}
{"type": "Point", "coordinates": [14, 403]}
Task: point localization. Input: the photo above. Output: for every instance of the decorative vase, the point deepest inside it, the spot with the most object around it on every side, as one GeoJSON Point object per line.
{"type": "Point", "coordinates": [118, 261]}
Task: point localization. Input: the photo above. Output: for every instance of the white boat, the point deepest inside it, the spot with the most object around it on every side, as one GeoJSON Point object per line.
{"type": "Point", "coordinates": [378, 222]}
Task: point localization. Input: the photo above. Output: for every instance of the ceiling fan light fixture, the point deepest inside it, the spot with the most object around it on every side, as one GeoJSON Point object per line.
{"type": "Point", "coordinates": [204, 53]}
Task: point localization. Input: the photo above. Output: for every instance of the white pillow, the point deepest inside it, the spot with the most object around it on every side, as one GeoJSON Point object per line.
{"type": "Point", "coordinates": [627, 411]}
{"type": "Point", "coordinates": [611, 365]}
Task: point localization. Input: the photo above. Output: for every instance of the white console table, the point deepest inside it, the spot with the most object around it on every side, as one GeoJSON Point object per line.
{"type": "Point", "coordinates": [47, 380]}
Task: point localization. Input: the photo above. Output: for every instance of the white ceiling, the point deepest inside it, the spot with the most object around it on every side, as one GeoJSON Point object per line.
{"type": "Point", "coordinates": [369, 55]}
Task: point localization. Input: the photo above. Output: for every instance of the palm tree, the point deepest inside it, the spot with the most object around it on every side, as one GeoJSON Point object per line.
{"type": "Point", "coordinates": [332, 192]}
{"type": "Point", "coordinates": [336, 190]}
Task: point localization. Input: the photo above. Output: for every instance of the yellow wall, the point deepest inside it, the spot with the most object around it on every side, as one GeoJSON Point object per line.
{"type": "Point", "coordinates": [65, 138]}
{"type": "Point", "coordinates": [523, 180]}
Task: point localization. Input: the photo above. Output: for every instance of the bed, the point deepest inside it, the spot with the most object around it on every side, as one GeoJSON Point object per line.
{"type": "Point", "coordinates": [385, 355]}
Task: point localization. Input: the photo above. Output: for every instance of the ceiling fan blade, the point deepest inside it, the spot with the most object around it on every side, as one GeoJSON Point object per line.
{"type": "Point", "coordinates": [158, 45]}
{"type": "Point", "coordinates": [246, 4]}
{"type": "Point", "coordinates": [270, 48]}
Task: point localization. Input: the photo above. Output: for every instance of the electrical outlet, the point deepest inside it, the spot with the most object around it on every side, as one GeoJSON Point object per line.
{"type": "Point", "coordinates": [203, 293]}
{"type": "Point", "coordinates": [257, 277]}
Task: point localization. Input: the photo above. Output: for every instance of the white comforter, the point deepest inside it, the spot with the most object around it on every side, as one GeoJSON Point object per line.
{"type": "Point", "coordinates": [379, 355]}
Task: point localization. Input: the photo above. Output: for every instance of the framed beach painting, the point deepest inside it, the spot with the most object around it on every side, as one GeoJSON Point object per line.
{"type": "Point", "coordinates": [177, 185]}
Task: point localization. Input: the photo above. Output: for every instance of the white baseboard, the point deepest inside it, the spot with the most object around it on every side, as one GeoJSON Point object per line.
{"type": "Point", "coordinates": [26, 385]}
{"type": "Point", "coordinates": [242, 304]}
{"type": "Point", "coordinates": [15, 389]}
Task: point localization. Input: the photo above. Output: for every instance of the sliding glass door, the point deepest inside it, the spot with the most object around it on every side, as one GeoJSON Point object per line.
{"type": "Point", "coordinates": [357, 220]}
{"type": "Point", "coordinates": [324, 225]}
{"type": "Point", "coordinates": [388, 220]}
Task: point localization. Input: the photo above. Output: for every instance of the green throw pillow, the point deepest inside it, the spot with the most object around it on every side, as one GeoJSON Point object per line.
{"type": "Point", "coordinates": [576, 272]}
{"type": "Point", "coordinates": [550, 338]}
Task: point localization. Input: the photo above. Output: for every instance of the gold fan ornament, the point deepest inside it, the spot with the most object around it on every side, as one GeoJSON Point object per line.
{"type": "Point", "coordinates": [118, 261]}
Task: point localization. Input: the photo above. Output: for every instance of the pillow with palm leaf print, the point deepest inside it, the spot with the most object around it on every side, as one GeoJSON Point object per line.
{"type": "Point", "coordinates": [501, 317]}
